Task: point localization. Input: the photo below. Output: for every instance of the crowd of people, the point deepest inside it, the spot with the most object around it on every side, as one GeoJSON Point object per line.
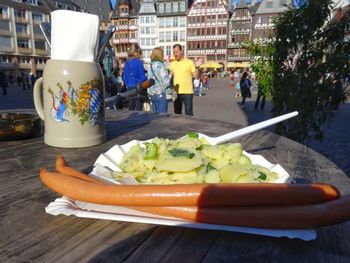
{"type": "Point", "coordinates": [177, 84]}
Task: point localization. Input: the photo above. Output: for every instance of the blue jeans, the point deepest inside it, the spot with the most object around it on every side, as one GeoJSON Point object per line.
{"type": "Point", "coordinates": [159, 103]}
{"type": "Point", "coordinates": [187, 100]}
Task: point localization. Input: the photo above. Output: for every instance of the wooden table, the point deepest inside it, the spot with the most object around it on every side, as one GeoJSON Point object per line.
{"type": "Point", "coordinates": [29, 234]}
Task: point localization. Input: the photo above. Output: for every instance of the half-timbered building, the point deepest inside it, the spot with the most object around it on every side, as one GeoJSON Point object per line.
{"type": "Point", "coordinates": [207, 30]}
{"type": "Point", "coordinates": [239, 32]}
{"type": "Point", "coordinates": [125, 18]}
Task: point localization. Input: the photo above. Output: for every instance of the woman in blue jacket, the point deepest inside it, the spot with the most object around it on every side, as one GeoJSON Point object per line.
{"type": "Point", "coordinates": [134, 74]}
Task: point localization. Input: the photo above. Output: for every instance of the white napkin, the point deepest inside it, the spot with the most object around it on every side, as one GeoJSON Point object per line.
{"type": "Point", "coordinates": [74, 35]}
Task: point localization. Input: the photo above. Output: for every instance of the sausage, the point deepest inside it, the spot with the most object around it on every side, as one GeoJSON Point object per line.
{"type": "Point", "coordinates": [188, 194]}
{"type": "Point", "coordinates": [271, 217]}
{"type": "Point", "coordinates": [62, 167]}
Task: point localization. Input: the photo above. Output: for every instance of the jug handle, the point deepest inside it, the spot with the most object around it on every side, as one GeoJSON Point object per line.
{"type": "Point", "coordinates": [38, 97]}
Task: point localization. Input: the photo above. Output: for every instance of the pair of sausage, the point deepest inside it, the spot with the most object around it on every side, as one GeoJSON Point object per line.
{"type": "Point", "coordinates": [80, 186]}
{"type": "Point", "coordinates": [252, 205]}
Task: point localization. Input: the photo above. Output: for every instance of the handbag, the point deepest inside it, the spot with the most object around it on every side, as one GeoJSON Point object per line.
{"type": "Point", "coordinates": [170, 92]}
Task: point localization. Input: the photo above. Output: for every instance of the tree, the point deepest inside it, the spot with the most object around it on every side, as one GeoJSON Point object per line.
{"type": "Point", "coordinates": [310, 49]}
{"type": "Point", "coordinates": [263, 64]}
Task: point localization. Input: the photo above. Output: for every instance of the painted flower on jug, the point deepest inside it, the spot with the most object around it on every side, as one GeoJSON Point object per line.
{"type": "Point", "coordinates": [84, 101]}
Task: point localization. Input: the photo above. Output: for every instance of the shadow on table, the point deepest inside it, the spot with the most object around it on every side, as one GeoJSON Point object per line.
{"type": "Point", "coordinates": [120, 251]}
{"type": "Point", "coordinates": [116, 127]}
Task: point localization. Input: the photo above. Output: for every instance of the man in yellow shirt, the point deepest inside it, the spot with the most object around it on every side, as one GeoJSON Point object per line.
{"type": "Point", "coordinates": [182, 70]}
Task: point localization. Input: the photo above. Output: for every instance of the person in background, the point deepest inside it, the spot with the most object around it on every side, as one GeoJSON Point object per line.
{"type": "Point", "coordinates": [197, 86]}
{"type": "Point", "coordinates": [237, 76]}
{"type": "Point", "coordinates": [183, 70]}
{"type": "Point", "coordinates": [134, 74]}
{"type": "Point", "coordinates": [245, 88]}
{"type": "Point", "coordinates": [117, 87]}
{"type": "Point", "coordinates": [259, 97]}
{"type": "Point", "coordinates": [3, 82]}
{"type": "Point", "coordinates": [159, 73]}
{"type": "Point", "coordinates": [32, 80]}
{"type": "Point", "coordinates": [205, 81]}
{"type": "Point", "coordinates": [232, 80]}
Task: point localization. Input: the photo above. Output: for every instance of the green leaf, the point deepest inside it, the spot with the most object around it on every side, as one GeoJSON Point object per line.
{"type": "Point", "coordinates": [181, 152]}
{"type": "Point", "coordinates": [262, 176]}
{"type": "Point", "coordinates": [209, 168]}
{"type": "Point", "coordinates": [151, 152]}
{"type": "Point", "coordinates": [192, 135]}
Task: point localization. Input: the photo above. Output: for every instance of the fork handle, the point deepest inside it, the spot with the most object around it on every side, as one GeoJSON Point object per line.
{"type": "Point", "coordinates": [252, 128]}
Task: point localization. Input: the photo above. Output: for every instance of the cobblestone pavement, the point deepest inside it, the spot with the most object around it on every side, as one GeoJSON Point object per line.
{"type": "Point", "coordinates": [219, 103]}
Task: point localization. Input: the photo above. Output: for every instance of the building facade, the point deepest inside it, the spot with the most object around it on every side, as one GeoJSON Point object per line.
{"type": "Point", "coordinates": [23, 49]}
{"type": "Point", "coordinates": [263, 27]}
{"type": "Point", "coordinates": [125, 19]}
{"type": "Point", "coordinates": [171, 24]}
{"type": "Point", "coordinates": [240, 30]}
{"type": "Point", "coordinates": [101, 8]}
{"type": "Point", "coordinates": [207, 30]}
{"type": "Point", "coordinates": [147, 31]}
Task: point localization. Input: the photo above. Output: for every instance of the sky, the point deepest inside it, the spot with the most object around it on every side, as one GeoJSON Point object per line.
{"type": "Point", "coordinates": [113, 2]}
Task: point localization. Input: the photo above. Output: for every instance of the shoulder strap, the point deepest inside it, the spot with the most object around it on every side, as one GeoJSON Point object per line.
{"type": "Point", "coordinates": [154, 74]}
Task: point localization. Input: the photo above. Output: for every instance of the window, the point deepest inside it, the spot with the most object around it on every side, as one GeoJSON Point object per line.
{"type": "Point", "coordinates": [168, 51]}
{"type": "Point", "coordinates": [182, 7]}
{"type": "Point", "coordinates": [25, 60]}
{"type": "Point", "coordinates": [39, 44]}
{"type": "Point", "coordinates": [20, 13]}
{"type": "Point", "coordinates": [176, 7]}
{"type": "Point", "coordinates": [175, 22]}
{"type": "Point", "coordinates": [5, 42]}
{"type": "Point", "coordinates": [269, 4]}
{"type": "Point", "coordinates": [153, 42]}
{"type": "Point", "coordinates": [32, 2]}
{"type": "Point", "coordinates": [168, 8]}
{"type": "Point", "coordinates": [161, 8]}
{"type": "Point", "coordinates": [4, 25]}
{"type": "Point", "coordinates": [22, 43]}
{"type": "Point", "coordinates": [21, 28]}
{"type": "Point", "coordinates": [283, 3]}
{"type": "Point", "coordinates": [182, 36]}
{"type": "Point", "coordinates": [168, 36]}
{"type": "Point", "coordinates": [37, 18]}
{"type": "Point", "coordinates": [161, 22]}
{"type": "Point", "coordinates": [147, 19]}
{"type": "Point", "coordinates": [161, 36]}
{"type": "Point", "coordinates": [142, 20]}
{"type": "Point", "coordinates": [5, 59]}
{"type": "Point", "coordinates": [175, 36]}
{"type": "Point", "coordinates": [182, 21]}
{"type": "Point", "coordinates": [168, 22]}
{"type": "Point", "coordinates": [3, 12]}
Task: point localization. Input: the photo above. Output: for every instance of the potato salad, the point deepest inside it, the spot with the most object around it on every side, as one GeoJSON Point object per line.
{"type": "Point", "coordinates": [190, 160]}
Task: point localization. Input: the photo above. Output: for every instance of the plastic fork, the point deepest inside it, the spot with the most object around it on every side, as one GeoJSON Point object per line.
{"type": "Point", "coordinates": [244, 131]}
